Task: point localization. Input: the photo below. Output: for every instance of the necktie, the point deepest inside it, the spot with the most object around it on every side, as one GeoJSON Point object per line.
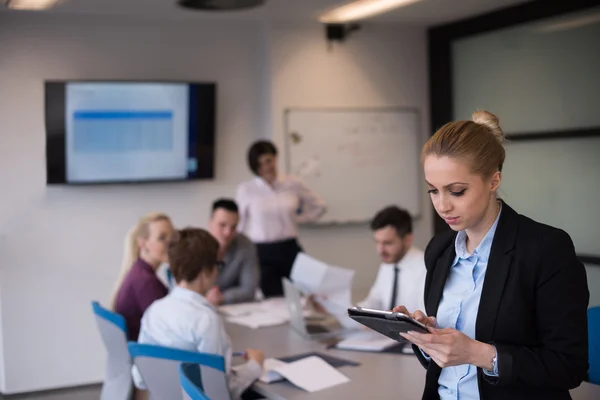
{"type": "Point", "coordinates": [394, 288]}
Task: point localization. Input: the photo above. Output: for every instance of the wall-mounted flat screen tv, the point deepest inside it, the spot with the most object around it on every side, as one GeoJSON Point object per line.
{"type": "Point", "coordinates": [119, 132]}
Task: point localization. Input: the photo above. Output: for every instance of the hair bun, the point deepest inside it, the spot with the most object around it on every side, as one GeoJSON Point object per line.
{"type": "Point", "coordinates": [491, 121]}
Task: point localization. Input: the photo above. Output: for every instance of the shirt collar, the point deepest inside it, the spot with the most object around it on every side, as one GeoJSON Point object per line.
{"type": "Point", "coordinates": [187, 294]}
{"type": "Point", "coordinates": [483, 250]}
{"type": "Point", "coordinates": [261, 182]}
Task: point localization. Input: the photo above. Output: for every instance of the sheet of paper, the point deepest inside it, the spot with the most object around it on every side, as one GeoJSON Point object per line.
{"type": "Point", "coordinates": [312, 374]}
{"type": "Point", "coordinates": [276, 306]}
{"type": "Point", "coordinates": [337, 304]}
{"type": "Point", "coordinates": [336, 279]}
{"type": "Point", "coordinates": [236, 310]}
{"type": "Point", "coordinates": [269, 374]}
{"type": "Point", "coordinates": [308, 273]}
{"type": "Point", "coordinates": [366, 341]}
{"type": "Point", "coordinates": [316, 277]}
{"type": "Point", "coordinates": [258, 320]}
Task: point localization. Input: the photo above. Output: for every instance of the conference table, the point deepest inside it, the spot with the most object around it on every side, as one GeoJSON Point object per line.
{"type": "Point", "coordinates": [379, 375]}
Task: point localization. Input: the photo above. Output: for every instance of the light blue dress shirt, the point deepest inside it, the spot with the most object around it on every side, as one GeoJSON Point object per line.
{"type": "Point", "coordinates": [458, 309]}
{"type": "Point", "coordinates": [185, 320]}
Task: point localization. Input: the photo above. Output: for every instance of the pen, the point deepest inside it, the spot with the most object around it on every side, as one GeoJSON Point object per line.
{"type": "Point", "coordinates": [239, 354]}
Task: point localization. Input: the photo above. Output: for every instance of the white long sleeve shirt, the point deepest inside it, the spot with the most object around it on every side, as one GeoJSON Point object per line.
{"type": "Point", "coordinates": [410, 287]}
{"type": "Point", "coordinates": [272, 213]}
{"type": "Point", "coordinates": [185, 320]}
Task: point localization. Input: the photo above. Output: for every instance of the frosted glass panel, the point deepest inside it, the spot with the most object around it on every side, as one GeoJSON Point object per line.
{"type": "Point", "coordinates": [557, 182]}
{"type": "Point", "coordinates": [540, 76]}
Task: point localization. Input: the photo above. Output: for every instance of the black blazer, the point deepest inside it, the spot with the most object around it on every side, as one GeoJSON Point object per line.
{"type": "Point", "coordinates": [533, 308]}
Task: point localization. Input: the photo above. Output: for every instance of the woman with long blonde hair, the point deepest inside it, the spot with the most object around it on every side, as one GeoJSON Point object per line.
{"type": "Point", "coordinates": [138, 286]}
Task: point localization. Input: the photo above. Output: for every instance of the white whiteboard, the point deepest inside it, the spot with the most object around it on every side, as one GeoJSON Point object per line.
{"type": "Point", "coordinates": [358, 160]}
{"type": "Point", "coordinates": [556, 182]}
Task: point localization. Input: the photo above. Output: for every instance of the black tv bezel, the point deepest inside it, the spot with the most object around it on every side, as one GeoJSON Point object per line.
{"type": "Point", "coordinates": [55, 132]}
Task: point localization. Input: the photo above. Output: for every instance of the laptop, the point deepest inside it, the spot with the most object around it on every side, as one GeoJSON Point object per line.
{"type": "Point", "coordinates": [317, 326]}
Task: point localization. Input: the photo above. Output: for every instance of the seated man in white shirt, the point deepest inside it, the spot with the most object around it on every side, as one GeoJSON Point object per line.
{"type": "Point", "coordinates": [239, 273]}
{"type": "Point", "coordinates": [186, 320]}
{"type": "Point", "coordinates": [401, 277]}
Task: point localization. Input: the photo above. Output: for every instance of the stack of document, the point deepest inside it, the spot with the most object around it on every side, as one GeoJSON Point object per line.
{"type": "Point", "coordinates": [259, 314]}
{"type": "Point", "coordinates": [236, 310]}
{"type": "Point", "coordinates": [256, 321]}
{"type": "Point", "coordinates": [310, 373]}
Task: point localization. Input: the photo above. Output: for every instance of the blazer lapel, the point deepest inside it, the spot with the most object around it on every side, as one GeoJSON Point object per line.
{"type": "Point", "coordinates": [497, 271]}
{"type": "Point", "coordinates": [438, 280]}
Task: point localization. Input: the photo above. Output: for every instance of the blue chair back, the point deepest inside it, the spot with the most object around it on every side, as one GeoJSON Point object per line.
{"type": "Point", "coordinates": [117, 383]}
{"type": "Point", "coordinates": [191, 382]}
{"type": "Point", "coordinates": [594, 344]}
{"type": "Point", "coordinates": [159, 369]}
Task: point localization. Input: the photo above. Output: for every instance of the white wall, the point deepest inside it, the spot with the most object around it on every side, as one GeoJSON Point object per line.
{"type": "Point", "coordinates": [63, 245]}
{"type": "Point", "coordinates": [2, 375]}
{"type": "Point", "coordinates": [377, 66]}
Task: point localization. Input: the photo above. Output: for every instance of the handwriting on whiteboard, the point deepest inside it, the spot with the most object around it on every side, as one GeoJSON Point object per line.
{"type": "Point", "coordinates": [310, 168]}
{"type": "Point", "coordinates": [366, 153]}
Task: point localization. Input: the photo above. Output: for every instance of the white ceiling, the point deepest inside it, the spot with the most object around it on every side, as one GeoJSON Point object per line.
{"type": "Point", "coordinates": [425, 12]}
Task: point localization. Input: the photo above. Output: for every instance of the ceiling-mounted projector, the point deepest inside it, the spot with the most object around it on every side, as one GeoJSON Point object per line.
{"type": "Point", "coordinates": [220, 5]}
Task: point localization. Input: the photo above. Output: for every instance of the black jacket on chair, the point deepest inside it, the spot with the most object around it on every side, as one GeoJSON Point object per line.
{"type": "Point", "coordinates": [533, 308]}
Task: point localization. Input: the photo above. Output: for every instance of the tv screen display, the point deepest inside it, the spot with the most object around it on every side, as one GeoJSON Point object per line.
{"type": "Point", "coordinates": [111, 132]}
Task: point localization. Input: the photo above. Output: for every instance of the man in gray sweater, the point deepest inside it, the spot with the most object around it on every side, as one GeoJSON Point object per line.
{"type": "Point", "coordinates": [239, 272]}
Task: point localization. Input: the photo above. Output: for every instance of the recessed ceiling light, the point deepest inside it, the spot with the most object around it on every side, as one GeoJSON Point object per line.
{"type": "Point", "coordinates": [31, 4]}
{"type": "Point", "coordinates": [361, 9]}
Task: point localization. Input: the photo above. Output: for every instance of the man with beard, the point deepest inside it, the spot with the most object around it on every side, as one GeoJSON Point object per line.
{"type": "Point", "coordinates": [401, 277]}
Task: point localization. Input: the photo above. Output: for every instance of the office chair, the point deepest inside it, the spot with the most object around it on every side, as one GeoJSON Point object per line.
{"type": "Point", "coordinates": [159, 368]}
{"type": "Point", "coordinates": [191, 382]}
{"type": "Point", "coordinates": [117, 384]}
{"type": "Point", "coordinates": [594, 344]}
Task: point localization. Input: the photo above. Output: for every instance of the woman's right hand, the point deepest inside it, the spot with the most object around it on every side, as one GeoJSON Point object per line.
{"type": "Point", "coordinates": [418, 315]}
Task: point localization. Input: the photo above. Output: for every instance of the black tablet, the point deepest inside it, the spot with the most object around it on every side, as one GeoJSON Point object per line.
{"type": "Point", "coordinates": [388, 323]}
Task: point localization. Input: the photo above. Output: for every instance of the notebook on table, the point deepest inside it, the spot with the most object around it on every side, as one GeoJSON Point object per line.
{"type": "Point", "coordinates": [370, 341]}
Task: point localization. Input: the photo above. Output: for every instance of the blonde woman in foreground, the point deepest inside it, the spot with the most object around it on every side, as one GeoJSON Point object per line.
{"type": "Point", "coordinates": [138, 285]}
{"type": "Point", "coordinates": [505, 296]}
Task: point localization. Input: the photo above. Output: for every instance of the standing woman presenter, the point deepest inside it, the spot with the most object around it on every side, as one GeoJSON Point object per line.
{"type": "Point", "coordinates": [271, 207]}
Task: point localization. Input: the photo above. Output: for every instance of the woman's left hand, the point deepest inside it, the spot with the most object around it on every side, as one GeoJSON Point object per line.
{"type": "Point", "coordinates": [448, 347]}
